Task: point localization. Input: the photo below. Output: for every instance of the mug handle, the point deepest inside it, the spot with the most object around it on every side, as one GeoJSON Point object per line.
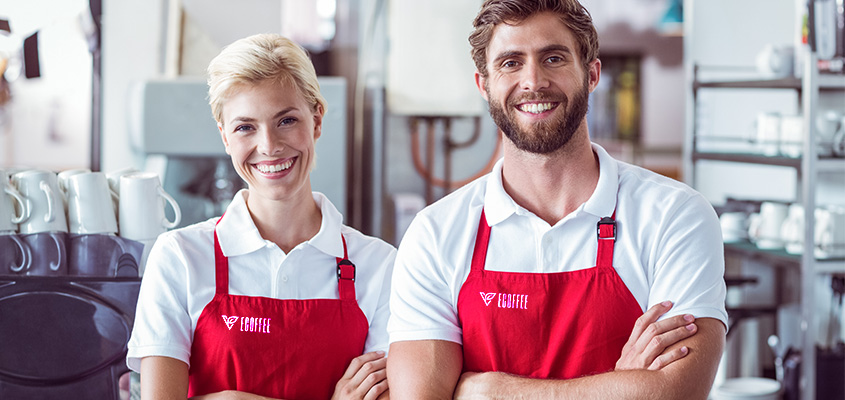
{"type": "Point", "coordinates": [24, 205]}
{"type": "Point", "coordinates": [177, 217]}
{"type": "Point", "coordinates": [51, 209]}
{"type": "Point", "coordinates": [54, 266]}
{"type": "Point", "coordinates": [25, 254]}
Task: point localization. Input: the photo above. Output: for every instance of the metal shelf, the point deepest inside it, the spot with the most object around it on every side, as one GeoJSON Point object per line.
{"type": "Point", "coordinates": [826, 164]}
{"type": "Point", "coordinates": [780, 258]}
{"type": "Point", "coordinates": [826, 82]}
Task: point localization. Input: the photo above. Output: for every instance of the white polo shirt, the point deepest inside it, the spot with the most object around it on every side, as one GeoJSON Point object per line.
{"type": "Point", "coordinates": [179, 277]}
{"type": "Point", "coordinates": [668, 247]}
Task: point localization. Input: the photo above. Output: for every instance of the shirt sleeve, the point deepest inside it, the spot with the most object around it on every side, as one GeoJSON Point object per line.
{"type": "Point", "coordinates": [377, 337]}
{"type": "Point", "coordinates": [690, 263]}
{"type": "Point", "coordinates": [162, 324]}
{"type": "Point", "coordinates": [422, 304]}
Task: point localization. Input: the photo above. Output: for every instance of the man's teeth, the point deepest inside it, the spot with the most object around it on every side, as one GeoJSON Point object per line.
{"type": "Point", "coordinates": [536, 108]}
{"type": "Point", "coordinates": [267, 169]}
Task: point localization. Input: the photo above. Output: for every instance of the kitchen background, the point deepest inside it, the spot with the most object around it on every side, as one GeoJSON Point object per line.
{"type": "Point", "coordinates": [113, 85]}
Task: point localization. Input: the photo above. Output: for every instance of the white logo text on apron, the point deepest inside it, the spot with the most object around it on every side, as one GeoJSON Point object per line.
{"type": "Point", "coordinates": [506, 300]}
{"type": "Point", "coordinates": [248, 324]}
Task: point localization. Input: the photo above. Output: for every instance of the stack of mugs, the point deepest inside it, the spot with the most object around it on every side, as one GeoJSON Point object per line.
{"type": "Point", "coordinates": [77, 222]}
{"type": "Point", "coordinates": [780, 226]}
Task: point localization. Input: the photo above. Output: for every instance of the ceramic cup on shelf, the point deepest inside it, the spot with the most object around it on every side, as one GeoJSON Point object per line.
{"type": "Point", "coordinates": [764, 227]}
{"type": "Point", "coordinates": [734, 226]}
{"type": "Point", "coordinates": [828, 123]}
{"type": "Point", "coordinates": [40, 189]}
{"type": "Point", "coordinates": [791, 135]}
{"type": "Point", "coordinates": [830, 232]}
{"type": "Point", "coordinates": [768, 126]}
{"type": "Point", "coordinates": [142, 207]}
{"type": "Point", "coordinates": [792, 230]}
{"type": "Point", "coordinates": [13, 207]}
{"type": "Point", "coordinates": [88, 195]}
{"type": "Point", "coordinates": [15, 255]}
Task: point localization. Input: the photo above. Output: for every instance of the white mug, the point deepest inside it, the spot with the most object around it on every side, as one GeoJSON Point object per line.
{"type": "Point", "coordinates": [13, 207]}
{"type": "Point", "coordinates": [768, 133]}
{"type": "Point", "coordinates": [40, 189]}
{"type": "Point", "coordinates": [88, 195]}
{"type": "Point", "coordinates": [830, 232]}
{"type": "Point", "coordinates": [142, 203]}
{"type": "Point", "coordinates": [764, 227]}
{"type": "Point", "coordinates": [734, 226]}
{"type": "Point", "coordinates": [828, 123]}
{"type": "Point", "coordinates": [791, 135]}
{"type": "Point", "coordinates": [114, 178]}
{"type": "Point", "coordinates": [66, 174]}
{"type": "Point", "coordinates": [792, 230]}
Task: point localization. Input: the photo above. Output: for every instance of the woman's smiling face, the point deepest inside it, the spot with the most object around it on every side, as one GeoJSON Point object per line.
{"type": "Point", "coordinates": [270, 131]}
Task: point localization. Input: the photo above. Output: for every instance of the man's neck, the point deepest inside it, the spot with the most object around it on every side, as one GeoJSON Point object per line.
{"type": "Point", "coordinates": [551, 185]}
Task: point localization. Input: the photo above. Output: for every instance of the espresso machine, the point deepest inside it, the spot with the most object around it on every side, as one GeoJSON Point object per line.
{"type": "Point", "coordinates": [172, 126]}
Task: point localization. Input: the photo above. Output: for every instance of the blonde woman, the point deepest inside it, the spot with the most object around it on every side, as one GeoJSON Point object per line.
{"type": "Point", "coordinates": [276, 298]}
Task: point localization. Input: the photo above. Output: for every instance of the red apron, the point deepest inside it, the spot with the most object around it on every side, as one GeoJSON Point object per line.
{"type": "Point", "coordinates": [289, 349]}
{"type": "Point", "coordinates": [546, 325]}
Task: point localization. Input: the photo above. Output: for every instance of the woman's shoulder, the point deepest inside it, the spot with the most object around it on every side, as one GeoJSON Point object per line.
{"type": "Point", "coordinates": [359, 244]}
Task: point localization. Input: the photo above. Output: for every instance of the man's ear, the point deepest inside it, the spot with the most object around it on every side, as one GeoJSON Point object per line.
{"type": "Point", "coordinates": [595, 74]}
{"type": "Point", "coordinates": [480, 82]}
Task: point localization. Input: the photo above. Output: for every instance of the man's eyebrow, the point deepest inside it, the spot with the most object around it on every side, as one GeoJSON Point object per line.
{"type": "Point", "coordinates": [517, 53]}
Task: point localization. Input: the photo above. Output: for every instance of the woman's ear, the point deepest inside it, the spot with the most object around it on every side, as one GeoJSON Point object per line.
{"type": "Point", "coordinates": [318, 121]}
{"type": "Point", "coordinates": [223, 137]}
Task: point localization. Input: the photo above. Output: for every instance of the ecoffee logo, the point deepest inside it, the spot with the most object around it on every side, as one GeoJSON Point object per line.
{"type": "Point", "coordinates": [248, 324]}
{"type": "Point", "coordinates": [506, 300]}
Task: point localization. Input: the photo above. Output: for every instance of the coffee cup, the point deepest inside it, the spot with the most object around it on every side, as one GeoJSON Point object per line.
{"type": "Point", "coordinates": [49, 253]}
{"type": "Point", "coordinates": [103, 255]}
{"type": "Point", "coordinates": [114, 177]}
{"type": "Point", "coordinates": [768, 133]}
{"type": "Point", "coordinates": [792, 230]}
{"type": "Point", "coordinates": [764, 227]}
{"type": "Point", "coordinates": [828, 123]}
{"type": "Point", "coordinates": [44, 199]}
{"type": "Point", "coordinates": [791, 135]}
{"type": "Point", "coordinates": [776, 61]}
{"type": "Point", "coordinates": [88, 195]}
{"type": "Point", "coordinates": [66, 174]}
{"type": "Point", "coordinates": [13, 208]}
{"type": "Point", "coordinates": [734, 226]}
{"type": "Point", "coordinates": [142, 207]}
{"type": "Point", "coordinates": [830, 232]}
{"type": "Point", "coordinates": [15, 255]}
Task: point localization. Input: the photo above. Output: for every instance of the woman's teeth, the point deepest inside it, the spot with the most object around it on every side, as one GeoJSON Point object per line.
{"type": "Point", "coordinates": [268, 169]}
{"type": "Point", "coordinates": [536, 108]}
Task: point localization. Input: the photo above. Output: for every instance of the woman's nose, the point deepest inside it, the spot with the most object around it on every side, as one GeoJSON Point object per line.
{"type": "Point", "coordinates": [269, 143]}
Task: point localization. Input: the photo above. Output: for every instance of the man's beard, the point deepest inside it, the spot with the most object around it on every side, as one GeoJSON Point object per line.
{"type": "Point", "coordinates": [547, 136]}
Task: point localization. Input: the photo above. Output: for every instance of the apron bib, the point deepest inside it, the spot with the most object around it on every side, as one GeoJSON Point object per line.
{"type": "Point", "coordinates": [546, 325]}
{"type": "Point", "coordinates": [290, 349]}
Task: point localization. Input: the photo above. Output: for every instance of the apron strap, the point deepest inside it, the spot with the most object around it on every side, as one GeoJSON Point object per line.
{"type": "Point", "coordinates": [606, 232]}
{"type": "Point", "coordinates": [345, 275]}
{"type": "Point", "coordinates": [221, 265]}
{"type": "Point", "coordinates": [482, 238]}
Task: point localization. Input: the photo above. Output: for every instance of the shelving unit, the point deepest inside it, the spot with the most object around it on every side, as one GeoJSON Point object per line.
{"type": "Point", "coordinates": [808, 167]}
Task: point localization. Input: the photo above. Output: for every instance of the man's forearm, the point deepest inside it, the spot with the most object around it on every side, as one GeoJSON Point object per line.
{"type": "Point", "coordinates": [424, 369]}
{"type": "Point", "coordinates": [688, 378]}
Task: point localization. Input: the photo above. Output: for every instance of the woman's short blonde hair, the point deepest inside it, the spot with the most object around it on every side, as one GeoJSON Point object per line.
{"type": "Point", "coordinates": [260, 58]}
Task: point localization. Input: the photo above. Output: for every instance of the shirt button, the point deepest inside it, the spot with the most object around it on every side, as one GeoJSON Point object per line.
{"type": "Point", "coordinates": [284, 278]}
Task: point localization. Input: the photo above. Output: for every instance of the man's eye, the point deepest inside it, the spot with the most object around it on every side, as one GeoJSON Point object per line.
{"type": "Point", "coordinates": [554, 59]}
{"type": "Point", "coordinates": [510, 64]}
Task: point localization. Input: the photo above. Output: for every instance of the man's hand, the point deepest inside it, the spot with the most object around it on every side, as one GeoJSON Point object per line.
{"type": "Point", "coordinates": [366, 378]}
{"type": "Point", "coordinates": [647, 346]}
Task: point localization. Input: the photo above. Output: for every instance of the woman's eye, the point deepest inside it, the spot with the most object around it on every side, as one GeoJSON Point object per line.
{"type": "Point", "coordinates": [287, 121]}
{"type": "Point", "coordinates": [243, 128]}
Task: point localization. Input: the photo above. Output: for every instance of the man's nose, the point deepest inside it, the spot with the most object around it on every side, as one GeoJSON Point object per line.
{"type": "Point", "coordinates": [534, 77]}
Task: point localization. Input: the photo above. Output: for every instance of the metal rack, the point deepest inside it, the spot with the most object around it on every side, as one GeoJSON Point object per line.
{"type": "Point", "coordinates": [808, 166]}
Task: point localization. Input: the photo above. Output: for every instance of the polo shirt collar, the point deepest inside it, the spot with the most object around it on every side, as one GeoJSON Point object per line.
{"type": "Point", "coordinates": [238, 235]}
{"type": "Point", "coordinates": [498, 205]}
